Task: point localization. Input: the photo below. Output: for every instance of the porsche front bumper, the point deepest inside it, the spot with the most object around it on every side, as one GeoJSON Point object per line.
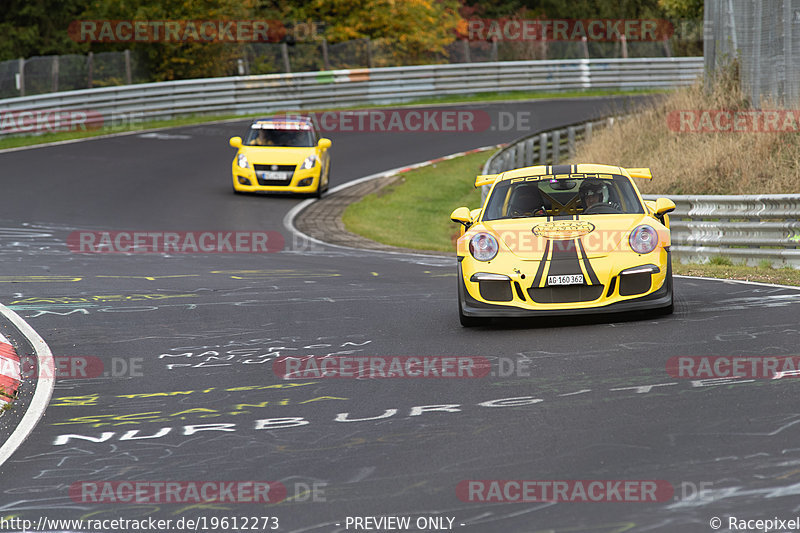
{"type": "Point", "coordinates": [661, 297]}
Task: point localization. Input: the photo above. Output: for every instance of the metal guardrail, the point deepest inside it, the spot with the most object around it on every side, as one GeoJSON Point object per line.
{"type": "Point", "coordinates": [247, 95]}
{"type": "Point", "coordinates": [543, 148]}
{"type": "Point", "coordinates": [746, 229]}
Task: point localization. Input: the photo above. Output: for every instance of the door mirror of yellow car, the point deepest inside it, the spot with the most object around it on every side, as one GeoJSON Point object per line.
{"type": "Point", "coordinates": [324, 143]}
{"type": "Point", "coordinates": [235, 142]}
{"type": "Point", "coordinates": [461, 215]}
{"type": "Point", "coordinates": [664, 206]}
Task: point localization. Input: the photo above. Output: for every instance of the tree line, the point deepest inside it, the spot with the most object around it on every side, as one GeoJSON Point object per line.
{"type": "Point", "coordinates": [416, 29]}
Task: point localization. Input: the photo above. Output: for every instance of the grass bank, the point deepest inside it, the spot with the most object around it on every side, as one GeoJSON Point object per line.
{"type": "Point", "coordinates": [686, 162]}
{"type": "Point", "coordinates": [414, 212]}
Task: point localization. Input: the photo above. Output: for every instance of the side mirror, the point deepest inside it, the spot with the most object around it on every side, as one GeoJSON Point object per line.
{"type": "Point", "coordinates": [461, 215]}
{"type": "Point", "coordinates": [664, 206]}
{"type": "Point", "coordinates": [235, 142]}
{"type": "Point", "coordinates": [324, 143]}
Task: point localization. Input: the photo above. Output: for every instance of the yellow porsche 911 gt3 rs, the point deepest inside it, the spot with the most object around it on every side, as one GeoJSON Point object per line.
{"type": "Point", "coordinates": [281, 155]}
{"type": "Point", "coordinates": [563, 239]}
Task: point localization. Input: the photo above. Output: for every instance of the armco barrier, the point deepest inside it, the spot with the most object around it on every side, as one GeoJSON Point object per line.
{"type": "Point", "coordinates": [243, 95]}
{"type": "Point", "coordinates": [748, 229]}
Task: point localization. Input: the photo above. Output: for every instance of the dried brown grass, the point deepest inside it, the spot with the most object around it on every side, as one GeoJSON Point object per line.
{"type": "Point", "coordinates": [700, 163]}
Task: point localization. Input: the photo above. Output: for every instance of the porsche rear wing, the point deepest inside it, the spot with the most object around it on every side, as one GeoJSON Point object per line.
{"type": "Point", "coordinates": [489, 179]}
{"type": "Point", "coordinates": [485, 179]}
{"type": "Point", "coordinates": [643, 173]}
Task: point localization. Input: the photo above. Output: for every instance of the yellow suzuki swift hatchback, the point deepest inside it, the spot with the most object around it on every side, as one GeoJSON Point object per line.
{"type": "Point", "coordinates": [281, 155]}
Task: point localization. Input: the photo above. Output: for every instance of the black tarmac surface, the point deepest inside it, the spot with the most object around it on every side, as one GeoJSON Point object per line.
{"type": "Point", "coordinates": [192, 338]}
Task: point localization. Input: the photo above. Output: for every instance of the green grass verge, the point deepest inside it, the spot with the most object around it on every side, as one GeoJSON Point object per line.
{"type": "Point", "coordinates": [17, 141]}
{"type": "Point", "coordinates": [763, 274]}
{"type": "Point", "coordinates": [414, 212]}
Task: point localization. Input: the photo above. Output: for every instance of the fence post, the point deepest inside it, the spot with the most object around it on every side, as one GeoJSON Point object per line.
{"type": "Point", "coordinates": [556, 146]}
{"type": "Point", "coordinates": [529, 151]}
{"type": "Point", "coordinates": [543, 149]}
{"type": "Point", "coordinates": [587, 135]}
{"type": "Point", "coordinates": [585, 43]}
{"type": "Point", "coordinates": [467, 56]}
{"type": "Point", "coordinates": [90, 68]}
{"type": "Point", "coordinates": [624, 42]}
{"type": "Point", "coordinates": [369, 52]}
{"type": "Point", "coordinates": [571, 141]}
{"type": "Point", "coordinates": [287, 67]}
{"type": "Point", "coordinates": [128, 70]}
{"type": "Point", "coordinates": [325, 61]}
{"type": "Point", "coordinates": [21, 76]}
{"type": "Point", "coordinates": [667, 47]}
{"type": "Point", "coordinates": [494, 49]}
{"type": "Point", "coordinates": [54, 74]}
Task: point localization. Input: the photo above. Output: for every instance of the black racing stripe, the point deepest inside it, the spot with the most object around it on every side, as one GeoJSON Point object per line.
{"type": "Point", "coordinates": [564, 259]}
{"type": "Point", "coordinates": [540, 271]}
{"type": "Point", "coordinates": [589, 270]}
{"type": "Point", "coordinates": [561, 169]}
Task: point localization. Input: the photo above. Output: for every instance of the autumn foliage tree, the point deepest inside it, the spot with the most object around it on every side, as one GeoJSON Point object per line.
{"type": "Point", "coordinates": [416, 30]}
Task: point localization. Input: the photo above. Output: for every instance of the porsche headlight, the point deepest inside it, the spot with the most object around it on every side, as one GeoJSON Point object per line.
{"type": "Point", "coordinates": [643, 239]}
{"type": "Point", "coordinates": [483, 247]}
{"type": "Point", "coordinates": [309, 162]}
{"type": "Point", "coordinates": [241, 160]}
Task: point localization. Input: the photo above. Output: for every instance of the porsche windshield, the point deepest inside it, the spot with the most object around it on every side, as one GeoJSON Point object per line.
{"type": "Point", "coordinates": [279, 137]}
{"type": "Point", "coordinates": [566, 194]}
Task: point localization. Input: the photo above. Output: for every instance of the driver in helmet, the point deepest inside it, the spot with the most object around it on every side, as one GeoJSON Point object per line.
{"type": "Point", "coordinates": [591, 192]}
{"type": "Point", "coordinates": [526, 202]}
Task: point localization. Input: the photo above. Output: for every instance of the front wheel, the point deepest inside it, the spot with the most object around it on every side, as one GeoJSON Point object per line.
{"type": "Point", "coordinates": [468, 321]}
{"type": "Point", "coordinates": [668, 310]}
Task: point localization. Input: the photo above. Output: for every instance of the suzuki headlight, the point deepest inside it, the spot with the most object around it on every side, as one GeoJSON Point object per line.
{"type": "Point", "coordinates": [309, 162]}
{"type": "Point", "coordinates": [241, 160]}
{"type": "Point", "coordinates": [483, 247]}
{"type": "Point", "coordinates": [643, 239]}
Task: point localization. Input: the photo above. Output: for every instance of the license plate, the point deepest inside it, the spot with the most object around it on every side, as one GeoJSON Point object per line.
{"type": "Point", "coordinates": [275, 175]}
{"type": "Point", "coordinates": [569, 279]}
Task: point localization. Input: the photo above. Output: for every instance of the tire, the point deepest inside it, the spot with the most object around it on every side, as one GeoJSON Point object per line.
{"type": "Point", "coordinates": [668, 310]}
{"type": "Point", "coordinates": [469, 321]}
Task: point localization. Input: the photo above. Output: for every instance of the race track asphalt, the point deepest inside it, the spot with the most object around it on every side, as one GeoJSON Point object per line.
{"type": "Point", "coordinates": [190, 341]}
